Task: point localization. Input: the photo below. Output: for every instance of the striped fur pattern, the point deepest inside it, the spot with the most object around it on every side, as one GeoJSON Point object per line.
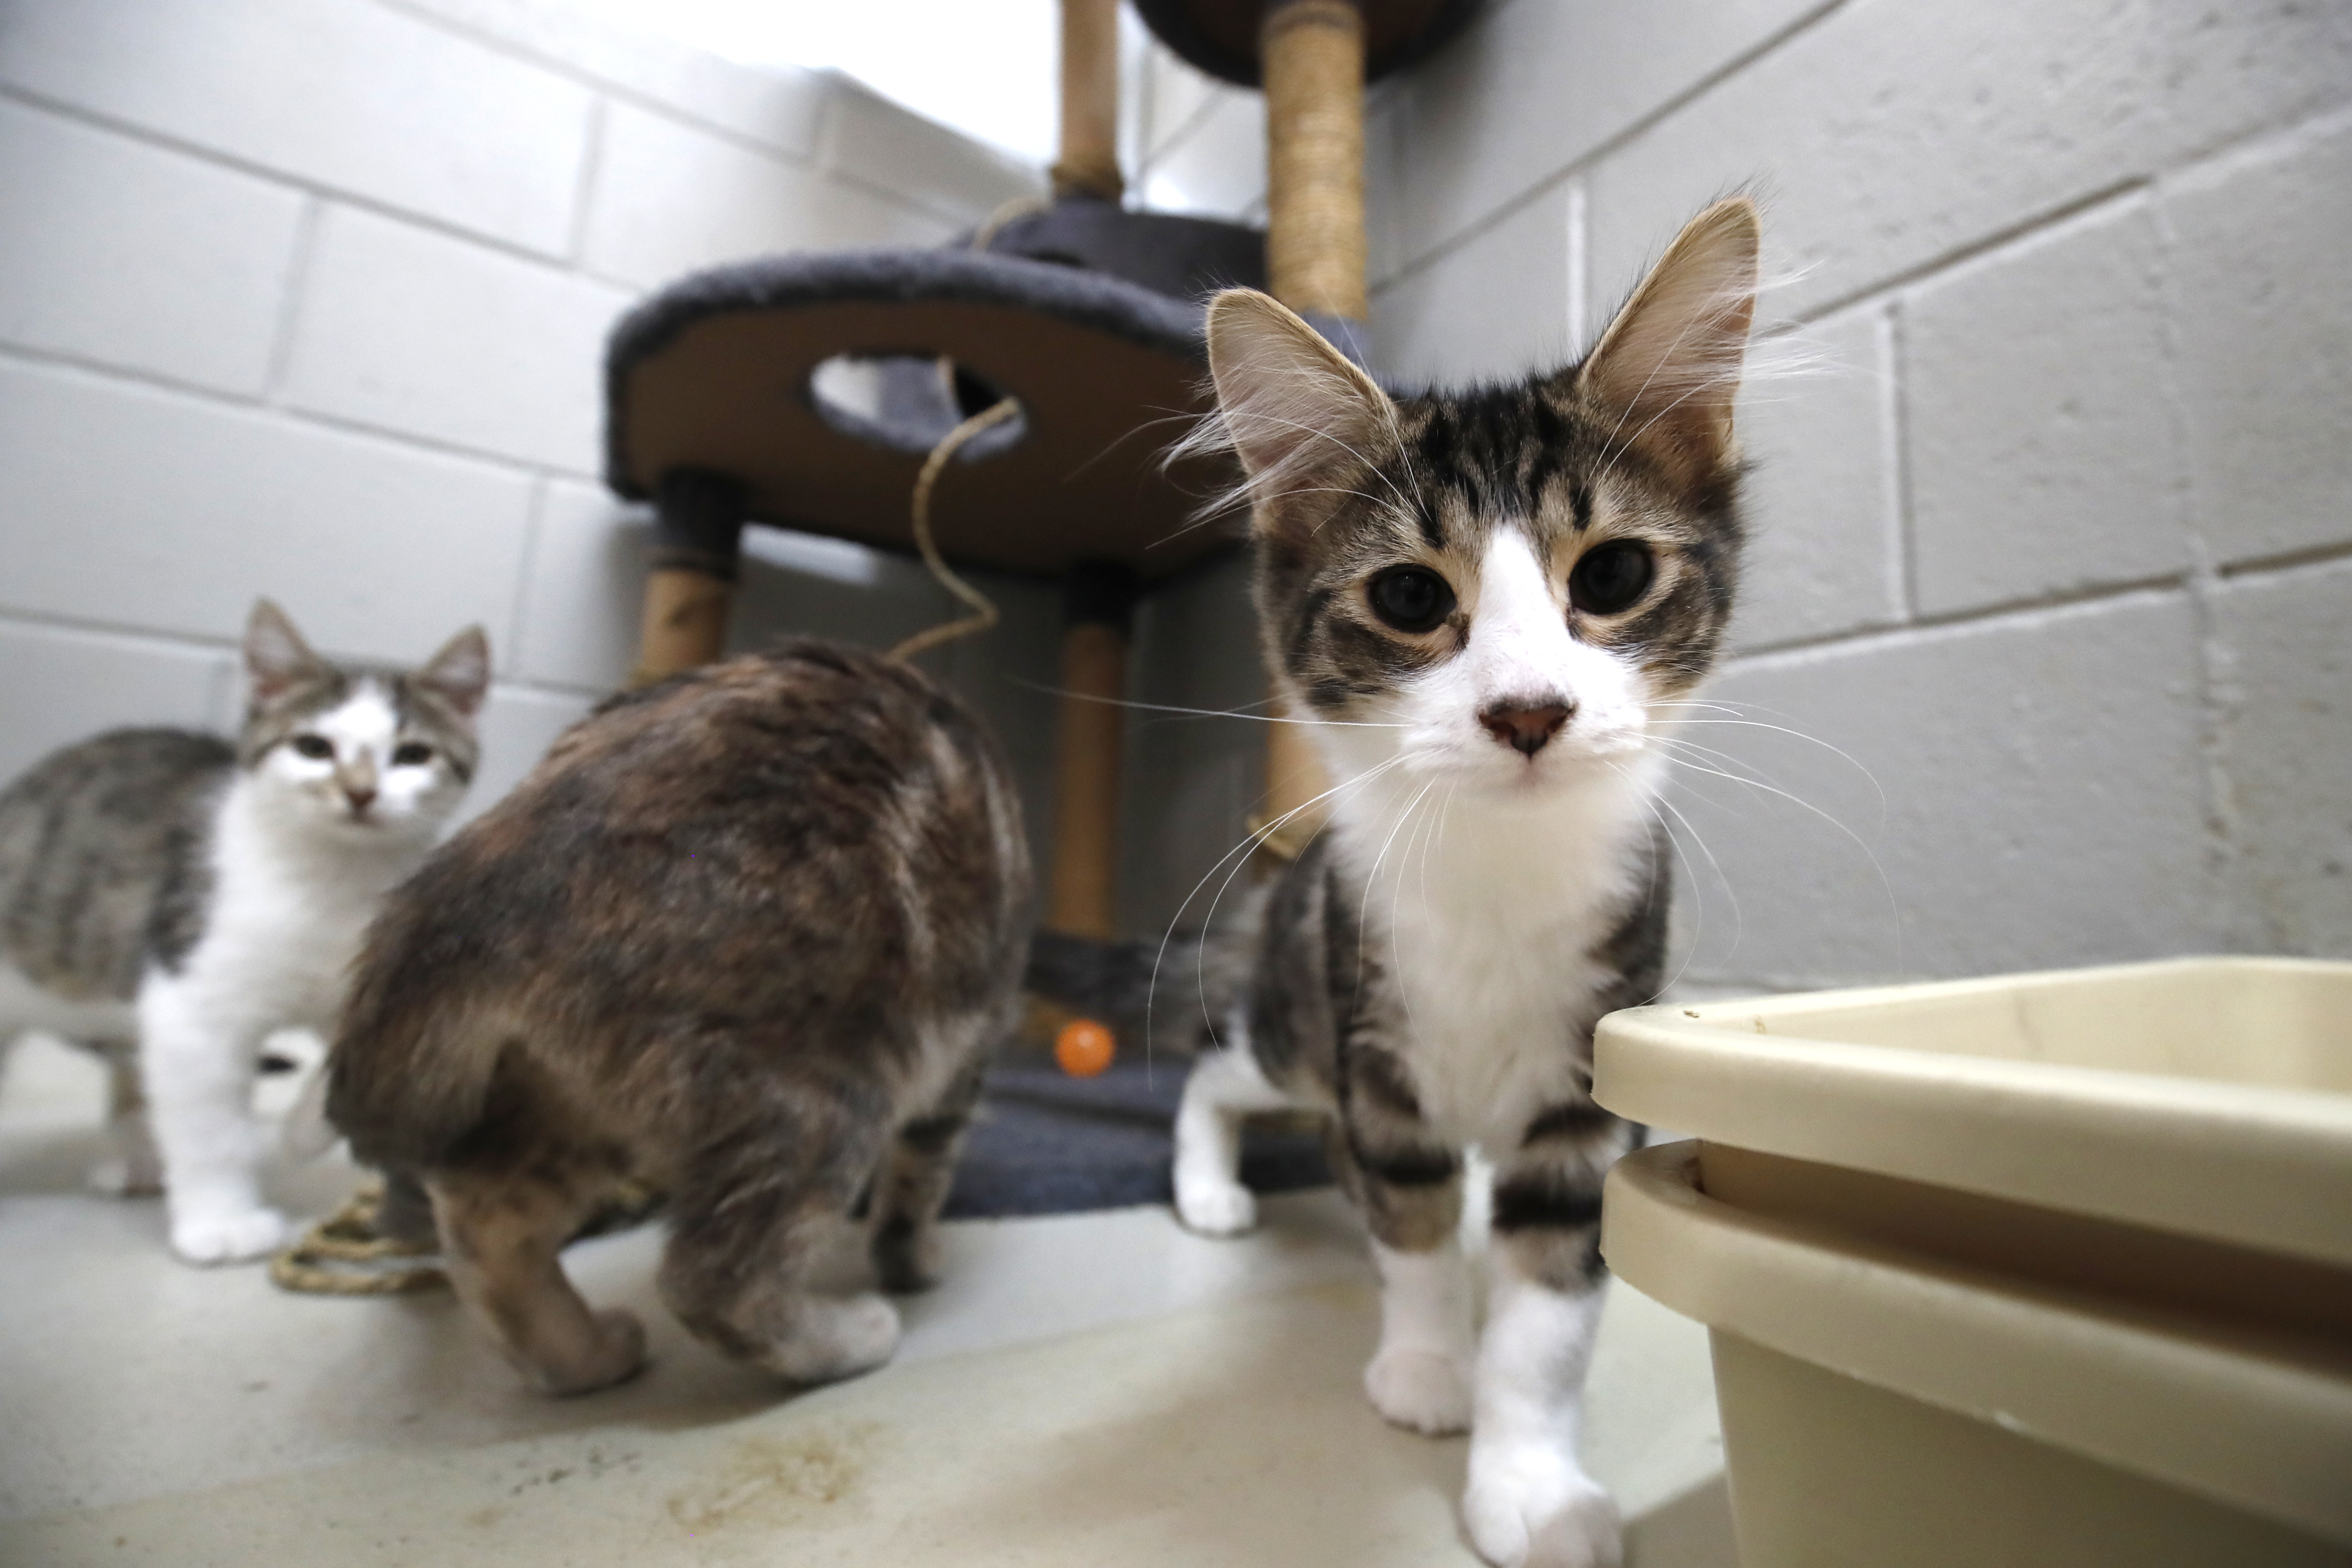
{"type": "Point", "coordinates": [170, 899]}
{"type": "Point", "coordinates": [1484, 603]}
{"type": "Point", "coordinates": [745, 934]}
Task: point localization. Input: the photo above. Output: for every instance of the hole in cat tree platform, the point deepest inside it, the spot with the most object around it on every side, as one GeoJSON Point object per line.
{"type": "Point", "coordinates": [907, 402]}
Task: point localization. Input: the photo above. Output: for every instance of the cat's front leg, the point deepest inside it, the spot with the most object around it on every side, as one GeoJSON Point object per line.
{"type": "Point", "coordinates": [1410, 1184]}
{"type": "Point", "coordinates": [132, 1168]}
{"type": "Point", "coordinates": [1420, 1376]}
{"type": "Point", "coordinates": [196, 1056]}
{"type": "Point", "coordinates": [1529, 1503]}
{"type": "Point", "coordinates": [1226, 1085]}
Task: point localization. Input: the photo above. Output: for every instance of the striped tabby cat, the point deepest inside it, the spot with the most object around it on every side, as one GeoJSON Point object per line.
{"type": "Point", "coordinates": [1485, 604]}
{"type": "Point", "coordinates": [170, 899]}
{"type": "Point", "coordinates": [746, 934]}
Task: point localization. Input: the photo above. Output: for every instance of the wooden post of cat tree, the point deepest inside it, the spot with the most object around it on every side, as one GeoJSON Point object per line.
{"type": "Point", "coordinates": [697, 538]}
{"type": "Point", "coordinates": [1088, 160]}
{"type": "Point", "coordinates": [1098, 596]}
{"type": "Point", "coordinates": [1098, 605]}
{"type": "Point", "coordinates": [1312, 55]}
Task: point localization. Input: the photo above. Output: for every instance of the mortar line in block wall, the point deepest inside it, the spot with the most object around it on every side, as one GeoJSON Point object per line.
{"type": "Point", "coordinates": [283, 178]}
{"type": "Point", "coordinates": [506, 462]}
{"type": "Point", "coordinates": [2213, 684]}
{"type": "Point", "coordinates": [297, 288]}
{"type": "Point", "coordinates": [2258, 145]}
{"type": "Point", "coordinates": [2216, 710]}
{"type": "Point", "coordinates": [78, 364]}
{"type": "Point", "coordinates": [1894, 416]}
{"type": "Point", "coordinates": [612, 87]}
{"type": "Point", "coordinates": [124, 635]}
{"type": "Point", "coordinates": [2255, 146]}
{"type": "Point", "coordinates": [1617, 141]}
{"type": "Point", "coordinates": [1190, 126]}
{"type": "Point", "coordinates": [535, 687]}
{"type": "Point", "coordinates": [583, 191]}
{"type": "Point", "coordinates": [827, 162]}
{"type": "Point", "coordinates": [75, 365]}
{"type": "Point", "coordinates": [519, 467]}
{"type": "Point", "coordinates": [2025, 232]}
{"type": "Point", "coordinates": [132, 638]}
{"type": "Point", "coordinates": [2286, 562]}
{"type": "Point", "coordinates": [662, 109]}
{"type": "Point", "coordinates": [1579, 278]}
{"type": "Point", "coordinates": [509, 654]}
{"type": "Point", "coordinates": [2023, 613]}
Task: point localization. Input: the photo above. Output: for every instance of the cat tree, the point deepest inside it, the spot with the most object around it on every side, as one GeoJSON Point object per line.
{"type": "Point", "coordinates": [1313, 60]}
{"type": "Point", "coordinates": [724, 408]}
{"type": "Point", "coordinates": [724, 401]}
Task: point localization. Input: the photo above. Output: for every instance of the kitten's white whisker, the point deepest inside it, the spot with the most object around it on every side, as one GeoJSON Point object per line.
{"type": "Point", "coordinates": [1738, 920]}
{"type": "Point", "coordinates": [1848, 757]}
{"type": "Point", "coordinates": [1726, 759]}
{"type": "Point", "coordinates": [1886, 885]}
{"type": "Point", "coordinates": [1239, 855]}
{"type": "Point", "coordinates": [1364, 906]}
{"type": "Point", "coordinates": [1698, 933]}
{"type": "Point", "coordinates": [1195, 712]}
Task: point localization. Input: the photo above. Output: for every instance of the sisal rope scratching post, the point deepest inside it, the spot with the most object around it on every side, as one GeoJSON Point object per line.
{"type": "Point", "coordinates": [1088, 160]}
{"type": "Point", "coordinates": [697, 540]}
{"type": "Point", "coordinates": [1312, 54]}
{"type": "Point", "coordinates": [685, 623]}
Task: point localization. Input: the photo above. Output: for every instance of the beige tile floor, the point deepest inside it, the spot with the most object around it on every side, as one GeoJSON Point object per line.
{"type": "Point", "coordinates": [1088, 1389]}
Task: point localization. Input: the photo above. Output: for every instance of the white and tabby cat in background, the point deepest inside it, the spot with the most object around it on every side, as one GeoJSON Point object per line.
{"type": "Point", "coordinates": [170, 899]}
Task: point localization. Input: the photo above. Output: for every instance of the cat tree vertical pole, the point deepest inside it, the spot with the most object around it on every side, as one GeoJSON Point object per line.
{"type": "Point", "coordinates": [1311, 53]}
{"type": "Point", "coordinates": [1082, 894]}
{"type": "Point", "coordinates": [698, 539]}
{"type": "Point", "coordinates": [1099, 602]}
{"type": "Point", "coordinates": [1088, 160]}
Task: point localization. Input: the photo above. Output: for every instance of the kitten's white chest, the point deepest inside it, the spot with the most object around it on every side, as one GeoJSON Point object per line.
{"type": "Point", "coordinates": [288, 915]}
{"type": "Point", "coordinates": [1490, 937]}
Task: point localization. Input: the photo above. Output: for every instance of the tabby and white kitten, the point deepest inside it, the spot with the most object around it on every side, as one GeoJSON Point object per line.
{"type": "Point", "coordinates": [745, 935]}
{"type": "Point", "coordinates": [1486, 605]}
{"type": "Point", "coordinates": [170, 900]}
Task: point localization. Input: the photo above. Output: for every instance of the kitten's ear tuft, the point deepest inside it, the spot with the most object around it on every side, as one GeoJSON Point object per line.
{"type": "Point", "coordinates": [277, 659]}
{"type": "Point", "coordinates": [459, 675]}
{"type": "Point", "coordinates": [1292, 406]}
{"type": "Point", "coordinates": [1668, 367]}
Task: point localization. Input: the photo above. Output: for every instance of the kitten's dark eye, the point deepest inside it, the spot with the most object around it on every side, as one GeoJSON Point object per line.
{"type": "Point", "coordinates": [317, 748]}
{"type": "Point", "coordinates": [1410, 598]}
{"type": "Point", "coordinates": [411, 754]}
{"type": "Point", "coordinates": [1611, 578]}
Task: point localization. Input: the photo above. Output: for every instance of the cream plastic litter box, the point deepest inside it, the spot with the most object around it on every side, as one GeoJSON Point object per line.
{"type": "Point", "coordinates": [2044, 1270]}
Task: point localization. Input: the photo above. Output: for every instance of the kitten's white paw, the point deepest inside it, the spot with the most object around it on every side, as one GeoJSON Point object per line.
{"type": "Point", "coordinates": [835, 1337]}
{"type": "Point", "coordinates": [227, 1234]}
{"type": "Point", "coordinates": [1216, 1208]}
{"type": "Point", "coordinates": [1420, 1390]}
{"type": "Point", "coordinates": [1528, 1506]}
{"type": "Point", "coordinates": [127, 1177]}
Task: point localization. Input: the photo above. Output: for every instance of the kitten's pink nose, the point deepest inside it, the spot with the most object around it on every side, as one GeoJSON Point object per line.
{"type": "Point", "coordinates": [1525, 730]}
{"type": "Point", "coordinates": [361, 799]}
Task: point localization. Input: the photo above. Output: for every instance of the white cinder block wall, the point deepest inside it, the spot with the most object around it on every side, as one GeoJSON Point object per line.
{"type": "Point", "coordinates": [2055, 542]}
{"type": "Point", "coordinates": [305, 297]}
{"type": "Point", "coordinates": [308, 298]}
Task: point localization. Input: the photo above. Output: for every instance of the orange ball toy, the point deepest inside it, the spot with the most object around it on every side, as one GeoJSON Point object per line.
{"type": "Point", "coordinates": [1084, 1047]}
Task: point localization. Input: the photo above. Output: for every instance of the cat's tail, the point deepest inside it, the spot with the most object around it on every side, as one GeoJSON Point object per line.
{"type": "Point", "coordinates": [422, 1034]}
{"type": "Point", "coordinates": [1167, 996]}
